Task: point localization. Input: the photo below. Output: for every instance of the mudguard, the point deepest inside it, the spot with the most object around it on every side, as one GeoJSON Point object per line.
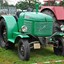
{"type": "Point", "coordinates": [11, 24]}
{"type": "Point", "coordinates": [17, 36]}
{"type": "Point", "coordinates": [23, 36]}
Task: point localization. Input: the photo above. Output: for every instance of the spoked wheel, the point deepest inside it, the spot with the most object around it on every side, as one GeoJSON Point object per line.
{"type": "Point", "coordinates": [24, 49]}
{"type": "Point", "coordinates": [59, 46]}
{"type": "Point", "coordinates": [56, 26]}
{"type": "Point", "coordinates": [3, 33]}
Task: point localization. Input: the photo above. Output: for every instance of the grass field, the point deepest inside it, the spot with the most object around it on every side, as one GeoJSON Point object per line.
{"type": "Point", "coordinates": [37, 56]}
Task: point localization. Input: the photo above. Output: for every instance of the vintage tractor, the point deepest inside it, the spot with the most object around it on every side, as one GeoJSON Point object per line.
{"type": "Point", "coordinates": [29, 30]}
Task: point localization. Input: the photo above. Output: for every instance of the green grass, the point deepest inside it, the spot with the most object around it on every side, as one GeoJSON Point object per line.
{"type": "Point", "coordinates": [37, 56]}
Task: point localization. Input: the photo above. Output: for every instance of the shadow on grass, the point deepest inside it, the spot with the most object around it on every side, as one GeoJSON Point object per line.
{"type": "Point", "coordinates": [42, 52]}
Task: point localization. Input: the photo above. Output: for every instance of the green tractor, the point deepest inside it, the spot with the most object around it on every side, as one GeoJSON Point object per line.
{"type": "Point", "coordinates": [29, 30]}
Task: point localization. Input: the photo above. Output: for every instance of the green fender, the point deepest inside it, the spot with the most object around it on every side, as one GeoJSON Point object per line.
{"type": "Point", "coordinates": [23, 36]}
{"type": "Point", "coordinates": [11, 24]}
{"type": "Point", "coordinates": [18, 37]}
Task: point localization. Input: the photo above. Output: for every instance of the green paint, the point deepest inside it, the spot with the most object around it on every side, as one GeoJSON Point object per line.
{"type": "Point", "coordinates": [11, 25]}
{"type": "Point", "coordinates": [59, 33]}
{"type": "Point", "coordinates": [37, 7]}
{"type": "Point", "coordinates": [37, 24]}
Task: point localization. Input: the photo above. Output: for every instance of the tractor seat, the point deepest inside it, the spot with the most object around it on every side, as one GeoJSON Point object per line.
{"type": "Point", "coordinates": [17, 15]}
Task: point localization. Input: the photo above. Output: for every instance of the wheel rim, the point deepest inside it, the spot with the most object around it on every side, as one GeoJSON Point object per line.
{"type": "Point", "coordinates": [22, 50]}
{"type": "Point", "coordinates": [4, 34]}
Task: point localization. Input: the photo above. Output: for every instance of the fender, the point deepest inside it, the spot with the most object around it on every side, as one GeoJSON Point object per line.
{"type": "Point", "coordinates": [21, 36]}
{"type": "Point", "coordinates": [10, 24]}
{"type": "Point", "coordinates": [17, 36]}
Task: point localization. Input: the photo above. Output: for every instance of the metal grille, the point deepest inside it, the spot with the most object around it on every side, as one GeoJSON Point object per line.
{"type": "Point", "coordinates": [43, 28]}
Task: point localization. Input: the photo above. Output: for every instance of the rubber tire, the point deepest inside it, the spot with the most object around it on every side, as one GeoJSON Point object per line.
{"type": "Point", "coordinates": [2, 23]}
{"type": "Point", "coordinates": [3, 43]}
{"type": "Point", "coordinates": [60, 49]}
{"type": "Point", "coordinates": [26, 46]}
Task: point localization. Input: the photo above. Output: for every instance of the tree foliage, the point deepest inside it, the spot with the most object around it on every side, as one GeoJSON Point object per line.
{"type": "Point", "coordinates": [24, 5]}
{"type": "Point", "coordinates": [5, 4]}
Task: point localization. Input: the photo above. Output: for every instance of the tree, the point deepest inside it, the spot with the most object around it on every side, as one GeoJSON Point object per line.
{"type": "Point", "coordinates": [5, 4]}
{"type": "Point", "coordinates": [24, 5]}
{"type": "Point", "coordinates": [61, 3]}
{"type": "Point", "coordinates": [29, 1]}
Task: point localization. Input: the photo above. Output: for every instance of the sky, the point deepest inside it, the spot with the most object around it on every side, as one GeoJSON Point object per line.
{"type": "Point", "coordinates": [15, 1]}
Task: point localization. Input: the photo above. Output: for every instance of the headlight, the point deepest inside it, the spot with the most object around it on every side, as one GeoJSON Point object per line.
{"type": "Point", "coordinates": [62, 27]}
{"type": "Point", "coordinates": [24, 28]}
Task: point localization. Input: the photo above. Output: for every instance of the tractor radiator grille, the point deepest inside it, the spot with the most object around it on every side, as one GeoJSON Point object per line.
{"type": "Point", "coordinates": [43, 28]}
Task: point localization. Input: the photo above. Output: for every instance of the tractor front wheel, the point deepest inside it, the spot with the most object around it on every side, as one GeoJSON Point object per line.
{"type": "Point", "coordinates": [59, 46]}
{"type": "Point", "coordinates": [24, 49]}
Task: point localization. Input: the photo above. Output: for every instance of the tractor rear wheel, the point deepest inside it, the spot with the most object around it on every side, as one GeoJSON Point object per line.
{"type": "Point", "coordinates": [59, 46]}
{"type": "Point", "coordinates": [23, 49]}
{"type": "Point", "coordinates": [3, 35]}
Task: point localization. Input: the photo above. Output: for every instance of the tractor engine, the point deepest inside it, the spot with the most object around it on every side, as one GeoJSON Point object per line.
{"type": "Point", "coordinates": [36, 24]}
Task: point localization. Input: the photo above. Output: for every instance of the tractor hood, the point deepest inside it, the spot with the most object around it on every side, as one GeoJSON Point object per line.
{"type": "Point", "coordinates": [37, 24]}
{"type": "Point", "coordinates": [33, 16]}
